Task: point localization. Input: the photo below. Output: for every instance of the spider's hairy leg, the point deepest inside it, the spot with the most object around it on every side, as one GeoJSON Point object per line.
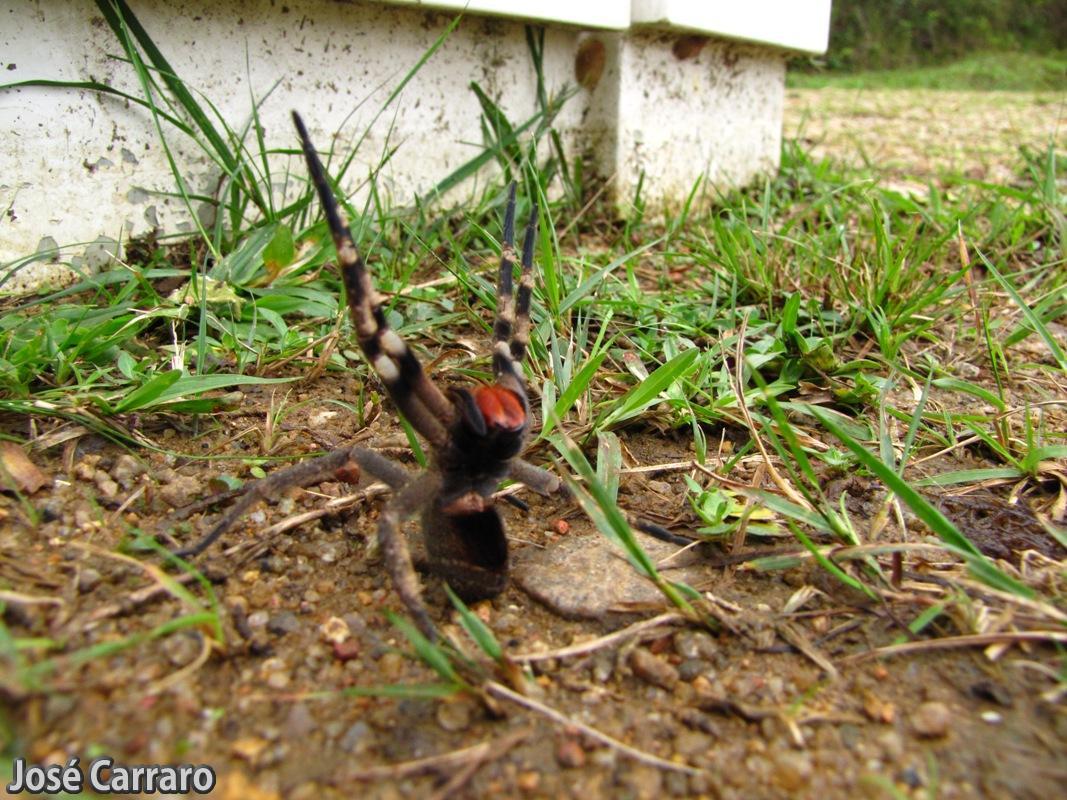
{"type": "Point", "coordinates": [505, 300]}
{"type": "Point", "coordinates": [540, 480]}
{"type": "Point", "coordinates": [424, 405]}
{"type": "Point", "coordinates": [511, 330]}
{"type": "Point", "coordinates": [420, 493]}
{"type": "Point", "coordinates": [521, 338]}
{"type": "Point", "coordinates": [316, 470]}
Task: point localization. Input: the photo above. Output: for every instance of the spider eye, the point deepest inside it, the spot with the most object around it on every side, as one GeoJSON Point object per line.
{"type": "Point", "coordinates": [501, 408]}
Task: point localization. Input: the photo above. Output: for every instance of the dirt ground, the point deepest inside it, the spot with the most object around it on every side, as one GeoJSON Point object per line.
{"type": "Point", "coordinates": [927, 134]}
{"type": "Point", "coordinates": [780, 700]}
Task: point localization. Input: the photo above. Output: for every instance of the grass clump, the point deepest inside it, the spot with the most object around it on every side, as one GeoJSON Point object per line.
{"type": "Point", "coordinates": [980, 72]}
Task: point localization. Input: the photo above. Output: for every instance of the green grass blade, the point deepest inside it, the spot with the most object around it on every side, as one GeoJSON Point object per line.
{"type": "Point", "coordinates": [426, 650]}
{"type": "Point", "coordinates": [1035, 322]}
{"type": "Point", "coordinates": [475, 628]}
{"type": "Point", "coordinates": [647, 393]}
{"type": "Point", "coordinates": [984, 569]}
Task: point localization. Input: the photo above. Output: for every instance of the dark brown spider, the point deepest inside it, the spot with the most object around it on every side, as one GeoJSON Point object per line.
{"type": "Point", "coordinates": [475, 434]}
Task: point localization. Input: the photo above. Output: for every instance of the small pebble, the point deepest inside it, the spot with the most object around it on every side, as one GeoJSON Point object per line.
{"type": "Point", "coordinates": [334, 630]}
{"type": "Point", "coordinates": [282, 623]}
{"type": "Point", "coordinates": [182, 648]}
{"type": "Point", "coordinates": [454, 714]}
{"type": "Point", "coordinates": [931, 720]}
{"type": "Point", "coordinates": [182, 491]}
{"type": "Point", "coordinates": [695, 644]}
{"type": "Point", "coordinates": [390, 666]}
{"type": "Point", "coordinates": [654, 670]}
{"type": "Point", "coordinates": [346, 650]}
{"type": "Point", "coordinates": [250, 748]}
{"type": "Point", "coordinates": [356, 739]}
{"type": "Point", "coordinates": [569, 753]}
{"type": "Point", "coordinates": [298, 722]}
{"type": "Point", "coordinates": [791, 770]}
{"type": "Point", "coordinates": [911, 778]}
{"type": "Point", "coordinates": [603, 666]}
{"type": "Point", "coordinates": [258, 619]}
{"type": "Point", "coordinates": [692, 667]}
{"type": "Point", "coordinates": [108, 488]}
{"type": "Point", "coordinates": [126, 469]}
{"type": "Point", "coordinates": [528, 781]}
{"type": "Point", "coordinates": [892, 745]}
{"type": "Point", "coordinates": [88, 579]}
{"type": "Point", "coordinates": [274, 673]}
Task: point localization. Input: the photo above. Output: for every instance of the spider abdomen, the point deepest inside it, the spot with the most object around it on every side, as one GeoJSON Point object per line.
{"type": "Point", "coordinates": [468, 551]}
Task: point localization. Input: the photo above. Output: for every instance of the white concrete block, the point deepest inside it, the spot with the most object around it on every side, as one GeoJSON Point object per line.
{"type": "Point", "coordinates": [794, 24]}
{"type": "Point", "coordinates": [672, 109]}
{"type": "Point", "coordinates": [85, 171]}
{"type": "Point", "coordinates": [76, 165]}
{"type": "Point", "coordinates": [611, 14]}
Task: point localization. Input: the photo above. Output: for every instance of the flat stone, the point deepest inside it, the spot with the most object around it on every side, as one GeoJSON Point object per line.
{"type": "Point", "coordinates": [932, 720]}
{"type": "Point", "coordinates": [587, 577]}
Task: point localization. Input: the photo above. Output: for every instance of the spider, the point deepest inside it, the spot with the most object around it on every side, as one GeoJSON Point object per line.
{"type": "Point", "coordinates": [475, 434]}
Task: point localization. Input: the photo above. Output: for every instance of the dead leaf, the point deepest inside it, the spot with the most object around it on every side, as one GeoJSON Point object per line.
{"type": "Point", "coordinates": [15, 464]}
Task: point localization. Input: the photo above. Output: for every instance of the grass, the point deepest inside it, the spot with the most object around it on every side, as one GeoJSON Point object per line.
{"type": "Point", "coordinates": [1013, 72]}
{"type": "Point", "coordinates": [822, 318]}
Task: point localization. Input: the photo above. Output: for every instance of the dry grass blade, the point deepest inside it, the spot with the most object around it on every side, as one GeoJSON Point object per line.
{"type": "Point", "coordinates": [795, 637]}
{"type": "Point", "coordinates": [956, 642]}
{"type": "Point", "coordinates": [739, 390]}
{"type": "Point", "coordinates": [18, 598]}
{"type": "Point", "coordinates": [206, 646]}
{"type": "Point", "coordinates": [266, 537]}
{"type": "Point", "coordinates": [456, 759]}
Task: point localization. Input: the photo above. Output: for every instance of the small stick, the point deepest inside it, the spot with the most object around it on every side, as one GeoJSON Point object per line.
{"type": "Point", "coordinates": [134, 599]}
{"type": "Point", "coordinates": [582, 648]}
{"type": "Point", "coordinates": [502, 692]}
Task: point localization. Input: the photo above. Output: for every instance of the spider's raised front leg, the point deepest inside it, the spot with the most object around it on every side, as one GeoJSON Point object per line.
{"type": "Point", "coordinates": [424, 405]}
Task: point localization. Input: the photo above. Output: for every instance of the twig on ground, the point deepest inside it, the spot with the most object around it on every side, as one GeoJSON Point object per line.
{"type": "Point", "coordinates": [135, 599]}
{"type": "Point", "coordinates": [502, 692]}
{"type": "Point", "coordinates": [582, 648]}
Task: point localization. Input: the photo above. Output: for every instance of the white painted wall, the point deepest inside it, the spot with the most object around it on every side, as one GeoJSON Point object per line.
{"type": "Point", "coordinates": [77, 167]}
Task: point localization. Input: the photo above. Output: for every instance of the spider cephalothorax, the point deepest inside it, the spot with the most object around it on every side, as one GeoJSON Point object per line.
{"type": "Point", "coordinates": [475, 433]}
